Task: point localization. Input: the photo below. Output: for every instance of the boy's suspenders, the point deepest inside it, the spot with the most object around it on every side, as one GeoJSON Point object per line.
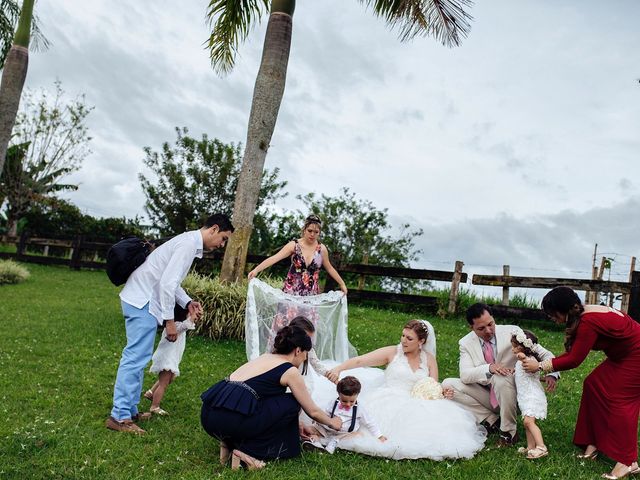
{"type": "Point", "coordinates": [354, 415]}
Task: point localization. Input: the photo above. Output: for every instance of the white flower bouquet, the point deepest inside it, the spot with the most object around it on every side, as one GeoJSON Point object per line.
{"type": "Point", "coordinates": [427, 389]}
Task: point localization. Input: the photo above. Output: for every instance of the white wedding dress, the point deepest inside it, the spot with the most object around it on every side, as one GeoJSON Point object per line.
{"type": "Point", "coordinates": [415, 428]}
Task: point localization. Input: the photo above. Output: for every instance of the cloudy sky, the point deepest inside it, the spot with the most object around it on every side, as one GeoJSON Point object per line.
{"type": "Point", "coordinates": [520, 147]}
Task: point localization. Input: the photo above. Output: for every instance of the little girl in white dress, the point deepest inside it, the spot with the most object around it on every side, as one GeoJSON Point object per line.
{"type": "Point", "coordinates": [166, 360]}
{"type": "Point", "coordinates": [531, 397]}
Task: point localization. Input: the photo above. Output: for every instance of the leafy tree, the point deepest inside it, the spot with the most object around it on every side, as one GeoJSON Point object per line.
{"type": "Point", "coordinates": [361, 233]}
{"type": "Point", "coordinates": [52, 144]}
{"type": "Point", "coordinates": [446, 20]}
{"type": "Point", "coordinates": [58, 218]}
{"type": "Point", "coordinates": [194, 178]}
{"type": "Point", "coordinates": [359, 230]}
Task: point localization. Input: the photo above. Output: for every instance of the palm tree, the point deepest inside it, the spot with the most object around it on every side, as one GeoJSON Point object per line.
{"type": "Point", "coordinates": [14, 72]}
{"type": "Point", "coordinates": [9, 16]}
{"type": "Point", "coordinates": [24, 183]}
{"type": "Point", "coordinates": [446, 20]}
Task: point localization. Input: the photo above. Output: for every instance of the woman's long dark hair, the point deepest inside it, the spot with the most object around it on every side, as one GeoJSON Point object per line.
{"type": "Point", "coordinates": [563, 300]}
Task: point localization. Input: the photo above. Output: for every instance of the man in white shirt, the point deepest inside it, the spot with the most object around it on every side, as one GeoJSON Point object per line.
{"type": "Point", "coordinates": [486, 386]}
{"type": "Point", "coordinates": [148, 300]}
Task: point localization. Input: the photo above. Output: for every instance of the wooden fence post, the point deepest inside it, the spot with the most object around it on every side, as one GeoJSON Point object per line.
{"type": "Point", "coordinates": [624, 305]}
{"type": "Point", "coordinates": [634, 297]}
{"type": "Point", "coordinates": [505, 290]}
{"type": "Point", "coordinates": [22, 244]}
{"type": "Point", "coordinates": [363, 277]}
{"type": "Point", "coordinates": [455, 284]}
{"type": "Point", "coordinates": [76, 252]}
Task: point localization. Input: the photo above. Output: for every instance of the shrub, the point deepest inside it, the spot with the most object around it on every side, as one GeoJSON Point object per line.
{"type": "Point", "coordinates": [12, 272]}
{"type": "Point", "coordinates": [223, 304]}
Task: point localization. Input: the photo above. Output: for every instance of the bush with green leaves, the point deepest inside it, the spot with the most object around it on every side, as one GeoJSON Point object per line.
{"type": "Point", "coordinates": [12, 272]}
{"type": "Point", "coordinates": [223, 304]}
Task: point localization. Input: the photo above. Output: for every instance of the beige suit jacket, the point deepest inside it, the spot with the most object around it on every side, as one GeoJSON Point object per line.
{"type": "Point", "coordinates": [475, 369]}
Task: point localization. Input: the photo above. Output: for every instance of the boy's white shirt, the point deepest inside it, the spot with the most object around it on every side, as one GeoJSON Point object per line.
{"type": "Point", "coordinates": [362, 417]}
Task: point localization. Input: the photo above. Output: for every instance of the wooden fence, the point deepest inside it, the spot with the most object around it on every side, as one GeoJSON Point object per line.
{"type": "Point", "coordinates": [629, 290]}
{"type": "Point", "coordinates": [80, 253]}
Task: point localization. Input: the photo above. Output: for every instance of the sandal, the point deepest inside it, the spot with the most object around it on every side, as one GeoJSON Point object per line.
{"type": "Point", "coordinates": [538, 452]}
{"type": "Point", "coordinates": [630, 471]}
{"type": "Point", "coordinates": [148, 395]}
{"type": "Point", "coordinates": [588, 456]}
{"type": "Point", "coordinates": [158, 411]}
{"type": "Point", "coordinates": [523, 450]}
{"type": "Point", "coordinates": [241, 459]}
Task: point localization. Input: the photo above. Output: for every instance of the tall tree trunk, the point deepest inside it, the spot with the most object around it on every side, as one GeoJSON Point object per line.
{"type": "Point", "coordinates": [13, 77]}
{"type": "Point", "coordinates": [267, 97]}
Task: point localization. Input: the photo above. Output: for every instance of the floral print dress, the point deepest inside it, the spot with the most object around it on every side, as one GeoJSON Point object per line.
{"type": "Point", "coordinates": [302, 279]}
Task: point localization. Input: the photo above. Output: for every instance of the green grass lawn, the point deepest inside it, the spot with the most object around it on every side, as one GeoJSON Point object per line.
{"type": "Point", "coordinates": [61, 334]}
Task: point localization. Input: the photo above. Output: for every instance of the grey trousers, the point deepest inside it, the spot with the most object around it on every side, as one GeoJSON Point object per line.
{"type": "Point", "coordinates": [475, 398]}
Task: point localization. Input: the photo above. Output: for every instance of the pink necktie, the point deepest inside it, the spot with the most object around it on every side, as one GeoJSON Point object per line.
{"type": "Point", "coordinates": [487, 350]}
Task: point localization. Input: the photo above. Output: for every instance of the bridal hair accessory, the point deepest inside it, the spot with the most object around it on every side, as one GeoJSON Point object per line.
{"type": "Point", "coordinates": [521, 338]}
{"type": "Point", "coordinates": [425, 326]}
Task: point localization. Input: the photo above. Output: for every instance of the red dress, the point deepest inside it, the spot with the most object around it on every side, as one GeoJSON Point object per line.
{"type": "Point", "coordinates": [610, 404]}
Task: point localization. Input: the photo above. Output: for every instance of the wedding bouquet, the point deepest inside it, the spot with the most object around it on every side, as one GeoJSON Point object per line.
{"type": "Point", "coordinates": [427, 389]}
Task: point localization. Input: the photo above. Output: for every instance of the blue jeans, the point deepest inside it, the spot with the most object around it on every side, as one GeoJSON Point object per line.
{"type": "Point", "coordinates": [141, 328]}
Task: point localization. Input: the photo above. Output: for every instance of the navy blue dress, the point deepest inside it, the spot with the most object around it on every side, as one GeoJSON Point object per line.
{"type": "Point", "coordinates": [256, 416]}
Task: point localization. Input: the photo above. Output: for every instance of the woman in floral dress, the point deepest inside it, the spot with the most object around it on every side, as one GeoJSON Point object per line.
{"type": "Point", "coordinates": [308, 256]}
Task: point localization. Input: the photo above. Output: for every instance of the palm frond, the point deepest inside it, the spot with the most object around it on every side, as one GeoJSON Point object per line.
{"type": "Point", "coordinates": [230, 22]}
{"type": "Point", "coordinates": [445, 20]}
{"type": "Point", "coordinates": [9, 15]}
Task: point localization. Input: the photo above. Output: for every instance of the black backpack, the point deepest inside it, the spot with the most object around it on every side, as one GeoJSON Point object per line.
{"type": "Point", "coordinates": [125, 256]}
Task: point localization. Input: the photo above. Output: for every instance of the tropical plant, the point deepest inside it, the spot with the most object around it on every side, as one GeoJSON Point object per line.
{"type": "Point", "coordinates": [53, 142]}
{"type": "Point", "coordinates": [446, 20]}
{"type": "Point", "coordinates": [195, 178]}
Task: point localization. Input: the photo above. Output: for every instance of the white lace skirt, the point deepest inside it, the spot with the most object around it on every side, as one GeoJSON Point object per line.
{"type": "Point", "coordinates": [168, 354]}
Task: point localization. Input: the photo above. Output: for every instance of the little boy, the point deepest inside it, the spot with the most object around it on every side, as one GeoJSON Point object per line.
{"type": "Point", "coordinates": [352, 414]}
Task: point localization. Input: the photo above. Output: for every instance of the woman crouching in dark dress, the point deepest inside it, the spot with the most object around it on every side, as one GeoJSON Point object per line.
{"type": "Point", "coordinates": [251, 414]}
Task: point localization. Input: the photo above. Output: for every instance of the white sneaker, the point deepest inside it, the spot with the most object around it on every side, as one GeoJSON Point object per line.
{"type": "Point", "coordinates": [331, 446]}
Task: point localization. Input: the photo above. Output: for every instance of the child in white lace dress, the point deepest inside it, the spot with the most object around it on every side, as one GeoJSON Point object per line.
{"type": "Point", "coordinates": [166, 360]}
{"type": "Point", "coordinates": [532, 400]}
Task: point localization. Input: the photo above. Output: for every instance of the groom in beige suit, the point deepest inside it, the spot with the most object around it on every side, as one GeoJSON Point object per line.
{"type": "Point", "coordinates": [486, 386]}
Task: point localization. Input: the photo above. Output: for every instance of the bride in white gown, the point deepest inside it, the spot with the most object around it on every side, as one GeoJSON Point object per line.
{"type": "Point", "coordinates": [414, 427]}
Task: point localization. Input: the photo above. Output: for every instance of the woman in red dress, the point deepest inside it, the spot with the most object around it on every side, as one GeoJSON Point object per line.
{"type": "Point", "coordinates": [608, 416]}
